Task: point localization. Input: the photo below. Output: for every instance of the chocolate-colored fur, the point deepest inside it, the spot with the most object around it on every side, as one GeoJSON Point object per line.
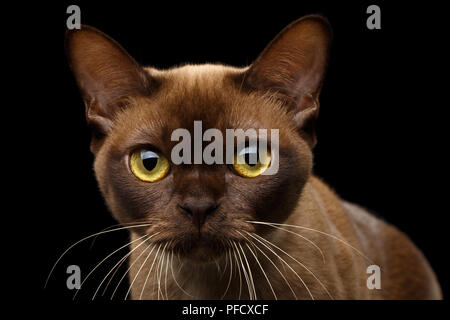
{"type": "Point", "coordinates": [130, 106]}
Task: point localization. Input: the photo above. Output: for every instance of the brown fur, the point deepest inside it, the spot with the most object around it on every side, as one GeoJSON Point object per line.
{"type": "Point", "coordinates": [129, 106]}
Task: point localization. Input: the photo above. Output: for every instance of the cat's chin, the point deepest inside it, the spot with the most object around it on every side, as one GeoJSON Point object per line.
{"type": "Point", "coordinates": [202, 252]}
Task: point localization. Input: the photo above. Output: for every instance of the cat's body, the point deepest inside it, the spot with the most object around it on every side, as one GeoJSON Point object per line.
{"type": "Point", "coordinates": [210, 230]}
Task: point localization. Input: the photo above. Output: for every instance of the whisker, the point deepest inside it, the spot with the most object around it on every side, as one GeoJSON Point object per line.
{"type": "Point", "coordinates": [149, 272]}
{"type": "Point", "coordinates": [180, 267]}
{"type": "Point", "coordinates": [228, 255]}
{"type": "Point", "coordinates": [117, 267]}
{"type": "Point", "coordinates": [303, 237]}
{"type": "Point", "coordinates": [84, 239]}
{"type": "Point", "coordinates": [301, 264]}
{"type": "Point", "coordinates": [159, 271]}
{"type": "Point", "coordinates": [262, 269]}
{"type": "Point", "coordinates": [107, 228]}
{"type": "Point", "coordinates": [244, 271]}
{"type": "Point", "coordinates": [140, 268]}
{"type": "Point", "coordinates": [175, 279]}
{"type": "Point", "coordinates": [259, 264]}
{"type": "Point", "coordinates": [226, 264]}
{"type": "Point", "coordinates": [117, 225]}
{"type": "Point", "coordinates": [128, 269]}
{"type": "Point", "coordinates": [104, 259]}
{"type": "Point", "coordinates": [165, 278]}
{"type": "Point", "coordinates": [238, 269]}
{"type": "Point", "coordinates": [249, 271]}
{"type": "Point", "coordinates": [254, 236]}
{"type": "Point", "coordinates": [282, 275]}
{"type": "Point", "coordinates": [314, 230]}
{"type": "Point", "coordinates": [217, 266]}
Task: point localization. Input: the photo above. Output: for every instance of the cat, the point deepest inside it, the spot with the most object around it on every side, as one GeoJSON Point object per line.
{"type": "Point", "coordinates": [203, 231]}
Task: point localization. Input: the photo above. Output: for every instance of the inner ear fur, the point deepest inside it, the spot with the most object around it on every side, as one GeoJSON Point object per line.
{"type": "Point", "coordinates": [292, 68]}
{"type": "Point", "coordinates": [106, 75]}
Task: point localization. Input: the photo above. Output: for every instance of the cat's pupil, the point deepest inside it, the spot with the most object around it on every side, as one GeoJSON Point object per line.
{"type": "Point", "coordinates": [247, 159]}
{"type": "Point", "coordinates": [150, 163]}
{"type": "Point", "coordinates": [149, 160]}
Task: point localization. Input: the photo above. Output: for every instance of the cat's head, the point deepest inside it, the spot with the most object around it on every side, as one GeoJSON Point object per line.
{"type": "Point", "coordinates": [133, 111]}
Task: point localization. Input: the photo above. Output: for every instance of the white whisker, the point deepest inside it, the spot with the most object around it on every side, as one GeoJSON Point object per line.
{"type": "Point", "coordinates": [302, 265]}
{"type": "Point", "coordinates": [314, 230]}
{"type": "Point", "coordinates": [249, 272]}
{"type": "Point", "coordinates": [303, 237]}
{"type": "Point", "coordinates": [228, 255]}
{"type": "Point", "coordinates": [238, 269]}
{"type": "Point", "coordinates": [128, 269]}
{"type": "Point", "coordinates": [254, 236]}
{"type": "Point", "coordinates": [149, 272]}
{"type": "Point", "coordinates": [84, 239]}
{"type": "Point", "coordinates": [159, 270]}
{"type": "Point", "coordinates": [226, 265]}
{"type": "Point", "coordinates": [140, 268]}
{"type": "Point", "coordinates": [245, 272]}
{"type": "Point", "coordinates": [262, 269]}
{"type": "Point", "coordinates": [273, 263]}
{"type": "Point", "coordinates": [165, 278]}
{"type": "Point", "coordinates": [104, 259]}
{"type": "Point", "coordinates": [117, 266]}
{"type": "Point", "coordinates": [175, 279]}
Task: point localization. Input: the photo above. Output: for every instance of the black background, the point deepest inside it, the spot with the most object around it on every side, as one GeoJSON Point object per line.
{"type": "Point", "coordinates": [377, 131]}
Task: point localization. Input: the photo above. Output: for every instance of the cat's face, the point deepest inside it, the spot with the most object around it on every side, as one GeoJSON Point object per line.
{"type": "Point", "coordinates": [209, 94]}
{"type": "Point", "coordinates": [198, 208]}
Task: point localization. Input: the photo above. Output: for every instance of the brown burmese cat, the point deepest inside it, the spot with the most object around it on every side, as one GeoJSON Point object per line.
{"type": "Point", "coordinates": [210, 233]}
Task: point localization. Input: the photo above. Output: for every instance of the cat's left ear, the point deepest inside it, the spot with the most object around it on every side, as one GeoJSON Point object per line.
{"type": "Point", "coordinates": [106, 75]}
{"type": "Point", "coordinates": [292, 67]}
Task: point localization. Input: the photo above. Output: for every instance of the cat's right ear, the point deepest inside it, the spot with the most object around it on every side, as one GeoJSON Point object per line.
{"type": "Point", "coordinates": [292, 68]}
{"type": "Point", "coordinates": [106, 75]}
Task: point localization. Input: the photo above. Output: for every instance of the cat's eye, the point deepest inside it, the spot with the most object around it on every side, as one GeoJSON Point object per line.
{"type": "Point", "coordinates": [247, 162]}
{"type": "Point", "coordinates": [149, 166]}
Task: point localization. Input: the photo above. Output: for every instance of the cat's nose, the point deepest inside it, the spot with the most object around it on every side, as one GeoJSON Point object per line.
{"type": "Point", "coordinates": [198, 210]}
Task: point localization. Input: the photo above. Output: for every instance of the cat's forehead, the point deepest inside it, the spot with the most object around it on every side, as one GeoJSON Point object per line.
{"type": "Point", "coordinates": [194, 92]}
{"type": "Point", "coordinates": [199, 92]}
{"type": "Point", "coordinates": [207, 93]}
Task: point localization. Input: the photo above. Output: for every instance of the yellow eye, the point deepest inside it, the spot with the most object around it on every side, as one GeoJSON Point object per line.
{"type": "Point", "coordinates": [247, 162]}
{"type": "Point", "coordinates": [149, 166]}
